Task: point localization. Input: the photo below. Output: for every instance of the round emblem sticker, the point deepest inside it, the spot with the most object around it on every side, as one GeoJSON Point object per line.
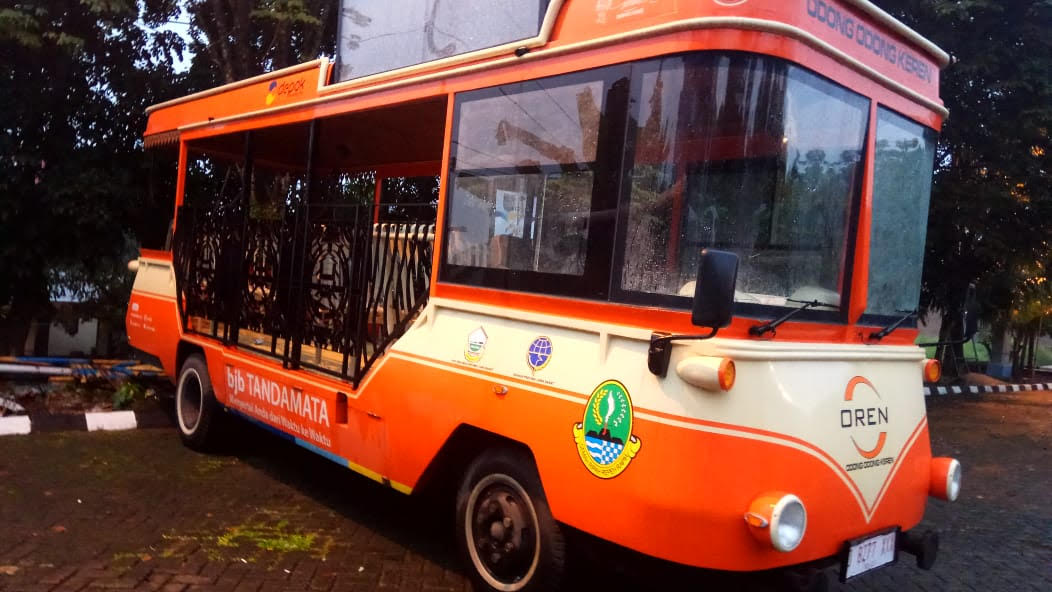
{"type": "Point", "coordinates": [539, 354]}
{"type": "Point", "coordinates": [604, 439]}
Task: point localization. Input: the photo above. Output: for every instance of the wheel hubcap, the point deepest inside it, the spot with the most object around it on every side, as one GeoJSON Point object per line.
{"type": "Point", "coordinates": [190, 401]}
{"type": "Point", "coordinates": [503, 531]}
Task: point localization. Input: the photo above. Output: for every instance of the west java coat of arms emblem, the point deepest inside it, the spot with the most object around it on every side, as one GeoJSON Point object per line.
{"type": "Point", "coordinates": [604, 439]}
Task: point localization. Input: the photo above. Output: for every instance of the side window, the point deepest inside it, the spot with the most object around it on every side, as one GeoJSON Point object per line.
{"type": "Point", "coordinates": [532, 188]}
{"type": "Point", "coordinates": [902, 181]}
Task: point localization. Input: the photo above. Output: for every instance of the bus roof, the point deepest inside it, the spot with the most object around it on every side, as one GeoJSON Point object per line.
{"type": "Point", "coordinates": [855, 33]}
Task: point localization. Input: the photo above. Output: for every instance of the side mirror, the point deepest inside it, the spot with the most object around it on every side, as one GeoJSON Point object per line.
{"type": "Point", "coordinates": [713, 306]}
{"type": "Point", "coordinates": [714, 291]}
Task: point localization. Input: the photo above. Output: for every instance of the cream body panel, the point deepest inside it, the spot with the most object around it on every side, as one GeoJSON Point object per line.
{"type": "Point", "coordinates": [154, 277]}
{"type": "Point", "coordinates": [784, 391]}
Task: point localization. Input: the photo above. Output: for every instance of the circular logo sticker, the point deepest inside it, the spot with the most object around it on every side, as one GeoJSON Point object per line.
{"type": "Point", "coordinates": [604, 439]}
{"type": "Point", "coordinates": [539, 354]}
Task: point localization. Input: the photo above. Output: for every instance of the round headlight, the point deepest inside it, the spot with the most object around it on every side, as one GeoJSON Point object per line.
{"type": "Point", "coordinates": [945, 478]}
{"type": "Point", "coordinates": [777, 518]}
{"type": "Point", "coordinates": [953, 481]}
{"type": "Point", "coordinates": [788, 523]}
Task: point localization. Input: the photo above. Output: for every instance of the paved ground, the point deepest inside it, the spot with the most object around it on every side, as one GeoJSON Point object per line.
{"type": "Point", "coordinates": [91, 511]}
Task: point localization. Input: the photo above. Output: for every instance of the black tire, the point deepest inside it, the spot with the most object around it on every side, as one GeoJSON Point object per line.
{"type": "Point", "coordinates": [499, 501]}
{"type": "Point", "coordinates": [196, 410]}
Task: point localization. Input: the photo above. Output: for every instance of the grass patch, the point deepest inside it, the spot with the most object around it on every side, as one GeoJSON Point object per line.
{"type": "Point", "coordinates": [975, 351]}
{"type": "Point", "coordinates": [257, 541]}
{"type": "Point", "coordinates": [972, 351]}
{"type": "Point", "coordinates": [268, 538]}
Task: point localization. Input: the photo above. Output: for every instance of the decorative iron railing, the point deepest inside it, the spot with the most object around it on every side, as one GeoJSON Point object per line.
{"type": "Point", "coordinates": [206, 247]}
{"type": "Point", "coordinates": [326, 289]}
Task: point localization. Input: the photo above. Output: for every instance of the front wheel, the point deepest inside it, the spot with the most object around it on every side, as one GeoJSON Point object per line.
{"type": "Point", "coordinates": [196, 408]}
{"type": "Point", "coordinates": [507, 535]}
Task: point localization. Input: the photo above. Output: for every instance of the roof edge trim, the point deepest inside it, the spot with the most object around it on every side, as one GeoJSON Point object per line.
{"type": "Point", "coordinates": [940, 55]}
{"type": "Point", "coordinates": [702, 23]}
{"type": "Point", "coordinates": [540, 40]}
{"type": "Point", "coordinates": [246, 82]}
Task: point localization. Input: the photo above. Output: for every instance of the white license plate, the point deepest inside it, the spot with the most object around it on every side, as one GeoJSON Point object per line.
{"type": "Point", "coordinates": [869, 553]}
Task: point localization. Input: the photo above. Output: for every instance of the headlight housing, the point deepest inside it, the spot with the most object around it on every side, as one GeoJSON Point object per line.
{"type": "Point", "coordinates": [945, 478]}
{"type": "Point", "coordinates": [779, 519]}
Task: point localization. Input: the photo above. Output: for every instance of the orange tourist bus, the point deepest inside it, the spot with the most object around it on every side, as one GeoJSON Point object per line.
{"type": "Point", "coordinates": [494, 242]}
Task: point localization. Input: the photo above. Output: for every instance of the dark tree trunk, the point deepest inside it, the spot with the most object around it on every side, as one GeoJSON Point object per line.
{"type": "Point", "coordinates": [951, 355]}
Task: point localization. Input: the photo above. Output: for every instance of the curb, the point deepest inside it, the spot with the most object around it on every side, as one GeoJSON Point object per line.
{"type": "Point", "coordinates": [979, 390]}
{"type": "Point", "coordinates": [11, 406]}
{"type": "Point", "coordinates": [90, 422]}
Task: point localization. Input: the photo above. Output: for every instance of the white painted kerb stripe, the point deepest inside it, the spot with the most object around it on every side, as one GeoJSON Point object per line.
{"type": "Point", "coordinates": [112, 420]}
{"type": "Point", "coordinates": [17, 425]}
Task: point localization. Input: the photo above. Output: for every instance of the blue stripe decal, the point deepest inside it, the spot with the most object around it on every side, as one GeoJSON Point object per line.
{"type": "Point", "coordinates": [286, 436]}
{"type": "Point", "coordinates": [264, 425]}
{"type": "Point", "coordinates": [334, 458]}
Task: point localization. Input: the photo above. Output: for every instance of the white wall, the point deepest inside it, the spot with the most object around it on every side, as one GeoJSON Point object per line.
{"type": "Point", "coordinates": [61, 343]}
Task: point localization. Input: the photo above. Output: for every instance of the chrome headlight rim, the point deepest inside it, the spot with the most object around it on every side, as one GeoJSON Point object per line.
{"type": "Point", "coordinates": [784, 509]}
{"type": "Point", "coordinates": [953, 480]}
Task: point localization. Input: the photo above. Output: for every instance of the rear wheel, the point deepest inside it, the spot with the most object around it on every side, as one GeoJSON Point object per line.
{"type": "Point", "coordinates": [196, 409]}
{"type": "Point", "coordinates": [507, 535]}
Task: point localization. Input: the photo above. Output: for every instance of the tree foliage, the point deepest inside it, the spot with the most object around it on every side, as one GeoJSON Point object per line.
{"type": "Point", "coordinates": [992, 199]}
{"type": "Point", "coordinates": [76, 78]}
{"type": "Point", "coordinates": [236, 39]}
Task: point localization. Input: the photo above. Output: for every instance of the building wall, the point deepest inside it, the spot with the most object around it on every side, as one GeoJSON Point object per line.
{"type": "Point", "coordinates": [61, 343]}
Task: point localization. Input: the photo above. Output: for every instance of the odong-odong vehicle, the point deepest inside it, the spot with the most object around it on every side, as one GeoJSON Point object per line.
{"type": "Point", "coordinates": [643, 268]}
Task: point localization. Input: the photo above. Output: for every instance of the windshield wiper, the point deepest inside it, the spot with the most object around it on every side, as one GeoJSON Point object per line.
{"type": "Point", "coordinates": [878, 335]}
{"type": "Point", "coordinates": [772, 326]}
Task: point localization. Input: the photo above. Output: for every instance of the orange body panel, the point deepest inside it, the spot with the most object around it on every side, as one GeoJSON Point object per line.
{"type": "Point", "coordinates": [152, 322]}
{"type": "Point", "coordinates": [682, 500]}
{"type": "Point", "coordinates": [286, 87]}
{"type": "Point", "coordinates": [833, 22]}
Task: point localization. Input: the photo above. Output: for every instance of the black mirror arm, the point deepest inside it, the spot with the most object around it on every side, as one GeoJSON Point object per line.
{"type": "Point", "coordinates": [660, 352]}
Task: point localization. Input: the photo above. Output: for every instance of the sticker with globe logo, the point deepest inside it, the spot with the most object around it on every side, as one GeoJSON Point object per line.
{"type": "Point", "coordinates": [539, 354]}
{"type": "Point", "coordinates": [604, 439]}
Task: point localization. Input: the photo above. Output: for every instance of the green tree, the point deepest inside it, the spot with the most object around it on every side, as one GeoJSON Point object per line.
{"type": "Point", "coordinates": [236, 39]}
{"type": "Point", "coordinates": [76, 78]}
{"type": "Point", "coordinates": [992, 198]}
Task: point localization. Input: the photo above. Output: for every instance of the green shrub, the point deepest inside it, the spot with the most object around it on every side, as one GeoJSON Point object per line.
{"type": "Point", "coordinates": [128, 393]}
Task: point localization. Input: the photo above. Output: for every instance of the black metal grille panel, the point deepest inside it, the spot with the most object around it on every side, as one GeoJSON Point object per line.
{"type": "Point", "coordinates": [326, 279]}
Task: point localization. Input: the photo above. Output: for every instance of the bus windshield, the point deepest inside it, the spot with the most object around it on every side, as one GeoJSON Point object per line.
{"type": "Point", "coordinates": [748, 154]}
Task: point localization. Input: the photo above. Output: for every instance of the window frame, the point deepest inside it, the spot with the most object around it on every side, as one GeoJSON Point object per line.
{"type": "Point", "coordinates": [593, 282]}
{"type": "Point", "coordinates": [741, 309]}
{"type": "Point", "coordinates": [877, 319]}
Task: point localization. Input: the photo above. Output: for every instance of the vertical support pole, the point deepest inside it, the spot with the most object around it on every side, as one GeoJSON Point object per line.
{"type": "Point", "coordinates": [180, 188]}
{"type": "Point", "coordinates": [238, 275]}
{"type": "Point", "coordinates": [858, 289]}
{"type": "Point", "coordinates": [378, 195]}
{"type": "Point", "coordinates": [300, 270]}
{"type": "Point", "coordinates": [180, 181]}
{"type": "Point", "coordinates": [444, 181]}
